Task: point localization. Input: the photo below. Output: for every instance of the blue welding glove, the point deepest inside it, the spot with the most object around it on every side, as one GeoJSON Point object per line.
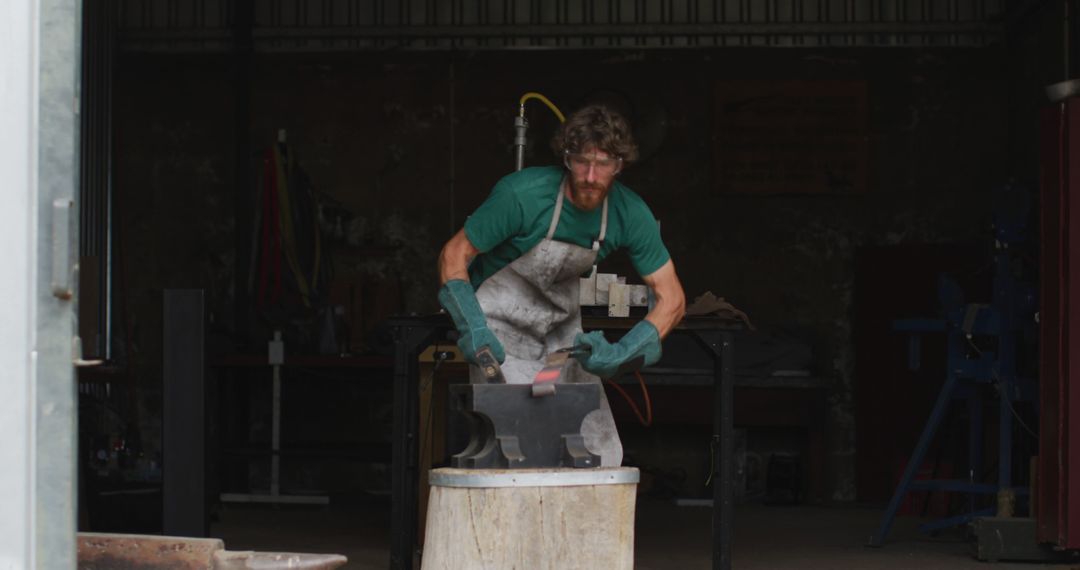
{"type": "Point", "coordinates": [637, 348]}
{"type": "Point", "coordinates": [459, 299]}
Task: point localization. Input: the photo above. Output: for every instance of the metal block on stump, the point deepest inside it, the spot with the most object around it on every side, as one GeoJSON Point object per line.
{"type": "Point", "coordinates": [509, 428]}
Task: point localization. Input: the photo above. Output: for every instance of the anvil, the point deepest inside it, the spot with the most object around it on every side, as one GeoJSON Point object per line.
{"type": "Point", "coordinates": [509, 428]}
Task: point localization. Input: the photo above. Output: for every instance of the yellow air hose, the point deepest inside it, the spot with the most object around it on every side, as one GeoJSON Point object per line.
{"type": "Point", "coordinates": [521, 126]}
{"type": "Point", "coordinates": [544, 100]}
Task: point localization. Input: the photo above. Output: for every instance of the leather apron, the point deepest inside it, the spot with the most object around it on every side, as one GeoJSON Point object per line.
{"type": "Point", "coordinates": [533, 307]}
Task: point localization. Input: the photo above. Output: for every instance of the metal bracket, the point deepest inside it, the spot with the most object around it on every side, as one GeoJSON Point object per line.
{"type": "Point", "coordinates": [63, 270]}
{"type": "Point", "coordinates": [77, 355]}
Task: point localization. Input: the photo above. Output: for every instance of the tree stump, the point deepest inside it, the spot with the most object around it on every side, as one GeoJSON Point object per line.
{"type": "Point", "coordinates": [556, 519]}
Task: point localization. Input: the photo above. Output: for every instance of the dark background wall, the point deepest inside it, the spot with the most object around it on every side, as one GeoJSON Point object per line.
{"type": "Point", "coordinates": [407, 145]}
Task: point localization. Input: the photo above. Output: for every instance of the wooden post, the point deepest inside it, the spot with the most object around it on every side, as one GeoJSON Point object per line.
{"type": "Point", "coordinates": [531, 518]}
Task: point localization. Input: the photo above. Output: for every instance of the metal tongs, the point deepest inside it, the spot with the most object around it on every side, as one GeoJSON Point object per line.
{"type": "Point", "coordinates": [545, 380]}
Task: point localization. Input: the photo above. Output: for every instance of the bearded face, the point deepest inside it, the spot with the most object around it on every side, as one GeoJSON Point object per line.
{"type": "Point", "coordinates": [592, 172]}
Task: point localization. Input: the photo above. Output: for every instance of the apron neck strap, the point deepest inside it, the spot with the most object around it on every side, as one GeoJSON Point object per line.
{"type": "Point", "coordinates": [603, 228]}
{"type": "Point", "coordinates": [558, 212]}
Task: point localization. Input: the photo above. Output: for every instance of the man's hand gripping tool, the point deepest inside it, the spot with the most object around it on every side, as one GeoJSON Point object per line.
{"type": "Point", "coordinates": [489, 365]}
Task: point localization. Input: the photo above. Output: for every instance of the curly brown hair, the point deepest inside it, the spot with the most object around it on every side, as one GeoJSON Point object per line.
{"type": "Point", "coordinates": [599, 126]}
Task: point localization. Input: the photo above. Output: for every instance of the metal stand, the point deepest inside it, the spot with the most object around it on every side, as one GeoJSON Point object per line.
{"type": "Point", "coordinates": [968, 368]}
{"type": "Point", "coordinates": [184, 380]}
{"type": "Point", "coordinates": [948, 393]}
{"type": "Point", "coordinates": [276, 359]}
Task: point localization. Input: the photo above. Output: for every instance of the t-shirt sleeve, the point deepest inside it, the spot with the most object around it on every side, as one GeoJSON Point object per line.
{"type": "Point", "coordinates": [496, 220]}
{"type": "Point", "coordinates": [644, 246]}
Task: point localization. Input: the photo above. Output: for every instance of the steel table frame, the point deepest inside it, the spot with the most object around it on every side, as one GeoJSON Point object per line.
{"type": "Point", "coordinates": [414, 334]}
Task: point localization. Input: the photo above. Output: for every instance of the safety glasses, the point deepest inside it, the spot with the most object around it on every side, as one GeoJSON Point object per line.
{"type": "Point", "coordinates": [581, 163]}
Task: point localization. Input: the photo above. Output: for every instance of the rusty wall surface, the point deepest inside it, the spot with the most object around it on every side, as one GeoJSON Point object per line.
{"type": "Point", "coordinates": [410, 144]}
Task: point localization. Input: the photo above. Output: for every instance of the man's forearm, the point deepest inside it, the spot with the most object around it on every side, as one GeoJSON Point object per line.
{"type": "Point", "coordinates": [670, 299]}
{"type": "Point", "coordinates": [450, 268]}
{"type": "Point", "coordinates": [666, 314]}
{"type": "Point", "coordinates": [455, 257]}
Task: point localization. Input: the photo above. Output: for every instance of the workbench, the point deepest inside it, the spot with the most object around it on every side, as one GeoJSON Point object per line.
{"type": "Point", "coordinates": [413, 335]}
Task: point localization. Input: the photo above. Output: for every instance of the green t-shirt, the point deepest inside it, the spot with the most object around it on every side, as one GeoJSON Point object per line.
{"type": "Point", "coordinates": [516, 216]}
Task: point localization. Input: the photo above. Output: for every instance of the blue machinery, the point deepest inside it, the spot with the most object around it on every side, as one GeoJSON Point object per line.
{"type": "Point", "coordinates": [982, 343]}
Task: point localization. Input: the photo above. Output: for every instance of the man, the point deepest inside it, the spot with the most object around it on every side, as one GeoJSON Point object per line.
{"type": "Point", "coordinates": [510, 276]}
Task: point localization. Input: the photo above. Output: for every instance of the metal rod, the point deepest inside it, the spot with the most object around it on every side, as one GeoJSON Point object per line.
{"type": "Point", "coordinates": [453, 166]}
{"type": "Point", "coordinates": [275, 435]}
{"type": "Point", "coordinates": [653, 30]}
{"type": "Point", "coordinates": [186, 26]}
{"type": "Point", "coordinates": [109, 63]}
{"type": "Point", "coordinates": [243, 194]}
{"type": "Point", "coordinates": [1067, 39]}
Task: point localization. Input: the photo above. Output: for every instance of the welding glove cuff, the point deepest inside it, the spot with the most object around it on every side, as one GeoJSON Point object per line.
{"type": "Point", "coordinates": [459, 299]}
{"type": "Point", "coordinates": [637, 348]}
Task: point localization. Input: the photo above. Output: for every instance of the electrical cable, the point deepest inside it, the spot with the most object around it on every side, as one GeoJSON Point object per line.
{"type": "Point", "coordinates": [270, 252]}
{"type": "Point", "coordinates": [712, 464]}
{"type": "Point", "coordinates": [645, 420]}
{"type": "Point", "coordinates": [1018, 418]}
{"type": "Point", "coordinates": [426, 438]}
{"type": "Point", "coordinates": [316, 265]}
{"type": "Point", "coordinates": [994, 374]}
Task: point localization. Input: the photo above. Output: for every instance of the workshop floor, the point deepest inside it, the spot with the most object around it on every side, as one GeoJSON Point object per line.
{"type": "Point", "coordinates": [668, 537]}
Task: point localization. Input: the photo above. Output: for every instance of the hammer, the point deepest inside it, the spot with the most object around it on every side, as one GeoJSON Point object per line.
{"type": "Point", "coordinates": [489, 365]}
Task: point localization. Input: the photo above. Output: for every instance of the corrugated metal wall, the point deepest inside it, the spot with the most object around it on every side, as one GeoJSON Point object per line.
{"type": "Point", "coordinates": [352, 25]}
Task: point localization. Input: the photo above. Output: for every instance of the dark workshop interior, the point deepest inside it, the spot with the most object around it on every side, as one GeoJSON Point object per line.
{"type": "Point", "coordinates": [869, 199]}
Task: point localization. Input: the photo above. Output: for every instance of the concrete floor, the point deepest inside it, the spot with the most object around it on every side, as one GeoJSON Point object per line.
{"type": "Point", "coordinates": [667, 537]}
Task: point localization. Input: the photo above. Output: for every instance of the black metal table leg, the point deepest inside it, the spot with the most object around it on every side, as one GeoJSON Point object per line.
{"type": "Point", "coordinates": [720, 344]}
{"type": "Point", "coordinates": [723, 420]}
{"type": "Point", "coordinates": [409, 341]}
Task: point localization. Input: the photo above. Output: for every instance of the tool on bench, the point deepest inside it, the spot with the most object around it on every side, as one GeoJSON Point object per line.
{"type": "Point", "coordinates": [545, 380]}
